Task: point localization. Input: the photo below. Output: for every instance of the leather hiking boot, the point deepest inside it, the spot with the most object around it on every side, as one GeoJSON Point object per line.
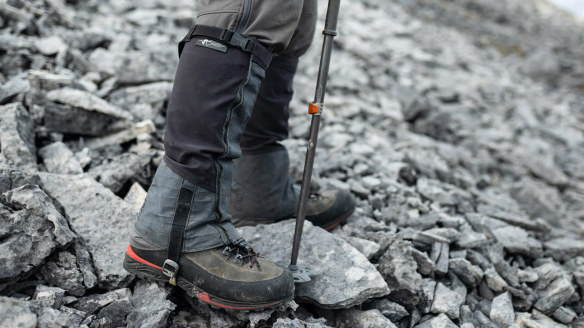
{"type": "Point", "coordinates": [232, 277]}
{"type": "Point", "coordinates": [328, 208]}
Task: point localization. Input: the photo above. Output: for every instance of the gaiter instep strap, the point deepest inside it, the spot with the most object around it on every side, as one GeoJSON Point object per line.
{"type": "Point", "coordinates": [177, 232]}
{"type": "Point", "coordinates": [261, 55]}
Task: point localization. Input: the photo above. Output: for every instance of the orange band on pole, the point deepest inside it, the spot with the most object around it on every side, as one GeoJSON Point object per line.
{"type": "Point", "coordinates": [312, 108]}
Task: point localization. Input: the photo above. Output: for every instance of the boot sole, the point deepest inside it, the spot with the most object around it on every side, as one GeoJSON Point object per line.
{"type": "Point", "coordinates": [144, 269]}
{"type": "Point", "coordinates": [338, 221]}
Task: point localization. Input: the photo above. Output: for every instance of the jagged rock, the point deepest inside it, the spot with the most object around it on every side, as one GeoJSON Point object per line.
{"type": "Point", "coordinates": [116, 312]}
{"type": "Point", "coordinates": [332, 287]}
{"type": "Point", "coordinates": [541, 65]}
{"type": "Point", "coordinates": [447, 301]}
{"type": "Point", "coordinates": [58, 158]}
{"type": "Point", "coordinates": [85, 264]}
{"type": "Point", "coordinates": [68, 119]}
{"type": "Point", "coordinates": [144, 101]}
{"type": "Point", "coordinates": [186, 319]}
{"type": "Point", "coordinates": [136, 196]}
{"type": "Point", "coordinates": [502, 310]}
{"type": "Point", "coordinates": [151, 309]}
{"type": "Point", "coordinates": [64, 273]}
{"type": "Point", "coordinates": [12, 178]}
{"type": "Point", "coordinates": [48, 317]}
{"type": "Point", "coordinates": [495, 281]}
{"type": "Point", "coordinates": [114, 174]}
{"type": "Point", "coordinates": [398, 267]}
{"type": "Point", "coordinates": [563, 249]}
{"type": "Point", "coordinates": [121, 137]}
{"type": "Point", "coordinates": [470, 238]}
{"type": "Point", "coordinates": [31, 232]}
{"type": "Point", "coordinates": [428, 290]}
{"type": "Point", "coordinates": [49, 296]}
{"type": "Point", "coordinates": [468, 273]}
{"type": "Point", "coordinates": [296, 323]}
{"type": "Point", "coordinates": [100, 218]}
{"type": "Point", "coordinates": [391, 310]}
{"type": "Point", "coordinates": [516, 240]}
{"type": "Point", "coordinates": [13, 311]}
{"type": "Point", "coordinates": [554, 295]}
{"type": "Point", "coordinates": [93, 303]}
{"type": "Point", "coordinates": [565, 315]}
{"type": "Point", "coordinates": [425, 264]}
{"type": "Point", "coordinates": [17, 137]}
{"type": "Point", "coordinates": [481, 320]}
{"type": "Point", "coordinates": [441, 321]}
{"type": "Point", "coordinates": [440, 255]}
{"type": "Point", "coordinates": [353, 318]}
{"type": "Point", "coordinates": [16, 85]}
{"type": "Point", "coordinates": [87, 101]}
{"type": "Point", "coordinates": [75, 315]}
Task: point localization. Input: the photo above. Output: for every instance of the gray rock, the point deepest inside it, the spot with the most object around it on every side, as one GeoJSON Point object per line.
{"type": "Point", "coordinates": [495, 281]}
{"type": "Point", "coordinates": [565, 315]}
{"type": "Point", "coordinates": [428, 290]}
{"type": "Point", "coordinates": [115, 173]}
{"type": "Point", "coordinates": [100, 218]}
{"type": "Point", "coordinates": [144, 101]}
{"type": "Point", "coordinates": [353, 318]}
{"type": "Point", "coordinates": [188, 319]}
{"type": "Point", "coordinates": [391, 310]}
{"type": "Point", "coordinates": [502, 310]}
{"type": "Point", "coordinates": [332, 287]}
{"type": "Point", "coordinates": [58, 158]}
{"type": "Point", "coordinates": [552, 297]}
{"type": "Point", "coordinates": [366, 247]}
{"type": "Point", "coordinates": [13, 311]}
{"type": "Point", "coordinates": [467, 325]}
{"type": "Point", "coordinates": [527, 275]}
{"type": "Point", "coordinates": [449, 233]}
{"type": "Point", "coordinates": [121, 137]}
{"type": "Point", "coordinates": [12, 178]}
{"type": "Point", "coordinates": [541, 65]}
{"type": "Point", "coordinates": [87, 101]}
{"type": "Point", "coordinates": [425, 264]}
{"type": "Point", "coordinates": [296, 323]}
{"type": "Point", "coordinates": [151, 308]}
{"type": "Point", "coordinates": [468, 273]}
{"type": "Point", "coordinates": [52, 318]}
{"type": "Point", "coordinates": [116, 312]}
{"type": "Point", "coordinates": [447, 301]}
{"type": "Point", "coordinates": [136, 196]}
{"type": "Point", "coordinates": [85, 264]}
{"type": "Point", "coordinates": [49, 296]}
{"type": "Point", "coordinates": [33, 231]}
{"type": "Point", "coordinates": [516, 240]}
{"type": "Point", "coordinates": [563, 249]}
{"type": "Point", "coordinates": [470, 238]}
{"type": "Point", "coordinates": [64, 273]}
{"type": "Point", "coordinates": [50, 45]}
{"type": "Point", "coordinates": [17, 137]}
{"type": "Point", "coordinates": [441, 321]}
{"type": "Point", "coordinates": [457, 285]}
{"type": "Point", "coordinates": [440, 255]}
{"type": "Point", "coordinates": [93, 303]}
{"type": "Point", "coordinates": [398, 267]}
{"type": "Point", "coordinates": [68, 119]}
{"type": "Point", "coordinates": [481, 320]}
{"type": "Point", "coordinates": [16, 85]}
{"type": "Point", "coordinates": [76, 315]}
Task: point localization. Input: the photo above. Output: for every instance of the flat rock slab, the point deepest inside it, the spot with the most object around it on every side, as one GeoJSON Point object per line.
{"type": "Point", "coordinates": [100, 218]}
{"type": "Point", "coordinates": [345, 277]}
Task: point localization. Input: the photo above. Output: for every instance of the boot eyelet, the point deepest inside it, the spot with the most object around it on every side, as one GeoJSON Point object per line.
{"type": "Point", "coordinates": [238, 258]}
{"type": "Point", "coordinates": [227, 251]}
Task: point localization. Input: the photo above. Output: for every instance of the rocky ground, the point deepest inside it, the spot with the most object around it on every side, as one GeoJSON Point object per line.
{"type": "Point", "coordinates": [457, 124]}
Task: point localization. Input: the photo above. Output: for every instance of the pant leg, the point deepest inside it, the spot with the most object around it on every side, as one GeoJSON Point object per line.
{"type": "Point", "coordinates": [262, 188]}
{"type": "Point", "coordinates": [212, 99]}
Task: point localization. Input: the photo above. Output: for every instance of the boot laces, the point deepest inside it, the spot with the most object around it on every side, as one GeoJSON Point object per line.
{"type": "Point", "coordinates": [242, 254]}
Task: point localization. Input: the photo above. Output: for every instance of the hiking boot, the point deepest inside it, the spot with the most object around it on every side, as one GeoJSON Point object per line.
{"type": "Point", "coordinates": [263, 192]}
{"type": "Point", "coordinates": [233, 277]}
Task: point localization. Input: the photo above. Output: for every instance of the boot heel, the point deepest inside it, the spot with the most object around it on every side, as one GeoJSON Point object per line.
{"type": "Point", "coordinates": [143, 270]}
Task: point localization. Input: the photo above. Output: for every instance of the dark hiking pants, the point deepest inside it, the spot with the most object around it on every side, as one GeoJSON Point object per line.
{"type": "Point", "coordinates": [215, 92]}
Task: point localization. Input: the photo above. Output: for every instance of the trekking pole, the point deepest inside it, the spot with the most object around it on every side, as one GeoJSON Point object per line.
{"type": "Point", "coordinates": [315, 109]}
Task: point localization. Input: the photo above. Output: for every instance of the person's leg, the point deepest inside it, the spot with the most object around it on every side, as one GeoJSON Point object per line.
{"type": "Point", "coordinates": [183, 233]}
{"type": "Point", "coordinates": [263, 190]}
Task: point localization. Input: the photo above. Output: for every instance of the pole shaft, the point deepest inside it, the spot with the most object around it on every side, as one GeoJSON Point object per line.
{"type": "Point", "coordinates": [332, 16]}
